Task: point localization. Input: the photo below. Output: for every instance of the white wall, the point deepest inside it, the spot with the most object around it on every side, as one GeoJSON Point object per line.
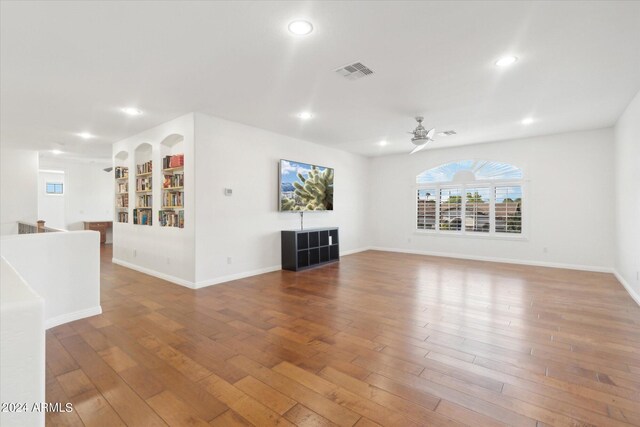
{"type": "Point", "coordinates": [22, 353]}
{"type": "Point", "coordinates": [166, 252]}
{"type": "Point", "coordinates": [246, 226]}
{"type": "Point", "coordinates": [627, 185]}
{"type": "Point", "coordinates": [51, 206]}
{"type": "Point", "coordinates": [18, 188]}
{"type": "Point", "coordinates": [61, 267]}
{"type": "Point", "coordinates": [89, 194]}
{"type": "Point", "coordinates": [568, 205]}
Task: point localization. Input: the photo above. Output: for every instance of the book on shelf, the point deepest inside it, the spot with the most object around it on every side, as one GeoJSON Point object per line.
{"type": "Point", "coordinates": [173, 180]}
{"type": "Point", "coordinates": [123, 216]}
{"type": "Point", "coordinates": [144, 168]}
{"type": "Point", "coordinates": [173, 161]}
{"type": "Point", "coordinates": [173, 198]}
{"type": "Point", "coordinates": [122, 201]}
{"type": "Point", "coordinates": [143, 184]}
{"type": "Point", "coordinates": [144, 201]}
{"type": "Point", "coordinates": [142, 216]}
{"type": "Point", "coordinates": [171, 218]}
{"type": "Point", "coordinates": [123, 187]}
{"type": "Point", "coordinates": [121, 172]}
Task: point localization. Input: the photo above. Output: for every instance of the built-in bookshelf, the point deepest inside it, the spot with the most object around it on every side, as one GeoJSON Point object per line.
{"type": "Point", "coordinates": [122, 193]}
{"type": "Point", "coordinates": [172, 212]}
{"type": "Point", "coordinates": [143, 214]}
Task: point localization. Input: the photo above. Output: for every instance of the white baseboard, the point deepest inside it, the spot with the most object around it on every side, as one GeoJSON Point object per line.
{"type": "Point", "coordinates": [70, 317]}
{"type": "Point", "coordinates": [627, 286]}
{"type": "Point", "coordinates": [501, 260]}
{"type": "Point", "coordinates": [354, 251]}
{"type": "Point", "coordinates": [150, 272]}
{"type": "Point", "coordinates": [236, 276]}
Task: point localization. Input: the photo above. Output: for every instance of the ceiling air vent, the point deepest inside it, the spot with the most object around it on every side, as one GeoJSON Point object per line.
{"type": "Point", "coordinates": [447, 133]}
{"type": "Point", "coordinates": [354, 71]}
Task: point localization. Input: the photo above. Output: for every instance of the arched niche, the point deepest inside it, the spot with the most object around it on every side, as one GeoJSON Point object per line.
{"type": "Point", "coordinates": [143, 153]}
{"type": "Point", "coordinates": [121, 156]}
{"type": "Point", "coordinates": [171, 145]}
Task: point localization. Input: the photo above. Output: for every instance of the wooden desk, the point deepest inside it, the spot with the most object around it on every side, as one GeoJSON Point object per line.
{"type": "Point", "coordinates": [100, 226]}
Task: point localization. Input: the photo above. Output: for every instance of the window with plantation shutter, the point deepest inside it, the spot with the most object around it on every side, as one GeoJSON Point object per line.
{"type": "Point", "coordinates": [477, 210]}
{"type": "Point", "coordinates": [450, 209]}
{"type": "Point", "coordinates": [508, 209]}
{"type": "Point", "coordinates": [471, 197]}
{"type": "Point", "coordinates": [427, 209]}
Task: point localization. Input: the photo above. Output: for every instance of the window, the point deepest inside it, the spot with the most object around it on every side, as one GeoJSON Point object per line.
{"type": "Point", "coordinates": [427, 209]}
{"type": "Point", "coordinates": [477, 215]}
{"type": "Point", "coordinates": [450, 209]}
{"type": "Point", "coordinates": [470, 197]}
{"type": "Point", "coordinates": [508, 209]}
{"type": "Point", "coordinates": [54, 188]}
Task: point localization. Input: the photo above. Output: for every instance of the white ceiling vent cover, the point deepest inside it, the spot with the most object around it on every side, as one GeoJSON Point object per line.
{"type": "Point", "coordinates": [354, 71]}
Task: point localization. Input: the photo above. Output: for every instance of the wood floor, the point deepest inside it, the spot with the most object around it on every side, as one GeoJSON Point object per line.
{"type": "Point", "coordinates": [378, 339]}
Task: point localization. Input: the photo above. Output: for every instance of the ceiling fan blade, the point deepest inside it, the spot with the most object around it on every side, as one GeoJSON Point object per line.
{"type": "Point", "coordinates": [431, 133]}
{"type": "Point", "coordinates": [418, 148]}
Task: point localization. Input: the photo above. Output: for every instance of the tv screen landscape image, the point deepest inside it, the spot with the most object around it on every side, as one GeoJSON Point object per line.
{"type": "Point", "coordinates": [305, 187]}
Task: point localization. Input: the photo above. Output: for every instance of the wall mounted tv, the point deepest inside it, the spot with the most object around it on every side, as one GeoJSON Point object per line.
{"type": "Point", "coordinates": [305, 187]}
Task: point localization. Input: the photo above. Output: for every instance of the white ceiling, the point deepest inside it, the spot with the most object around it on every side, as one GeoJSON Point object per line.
{"type": "Point", "coordinates": [68, 67]}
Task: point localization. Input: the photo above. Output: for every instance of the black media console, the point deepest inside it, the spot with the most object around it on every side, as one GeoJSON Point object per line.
{"type": "Point", "coordinates": [303, 249]}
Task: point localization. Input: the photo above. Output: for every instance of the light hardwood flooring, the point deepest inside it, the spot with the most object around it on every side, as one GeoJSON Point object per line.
{"type": "Point", "coordinates": [378, 339]}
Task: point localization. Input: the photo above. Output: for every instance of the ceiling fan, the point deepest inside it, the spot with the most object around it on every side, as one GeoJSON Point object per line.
{"type": "Point", "coordinates": [421, 136]}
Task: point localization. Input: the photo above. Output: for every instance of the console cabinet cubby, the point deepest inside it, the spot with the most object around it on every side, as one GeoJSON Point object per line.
{"type": "Point", "coordinates": [302, 249]}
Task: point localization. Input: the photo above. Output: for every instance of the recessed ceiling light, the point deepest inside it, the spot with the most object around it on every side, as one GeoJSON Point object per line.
{"type": "Point", "coordinates": [527, 121]}
{"type": "Point", "coordinates": [382, 143]}
{"type": "Point", "coordinates": [56, 152]}
{"type": "Point", "coordinates": [132, 111]}
{"type": "Point", "coordinates": [85, 135]}
{"type": "Point", "coordinates": [505, 61]}
{"type": "Point", "coordinates": [300, 28]}
{"type": "Point", "coordinates": [305, 115]}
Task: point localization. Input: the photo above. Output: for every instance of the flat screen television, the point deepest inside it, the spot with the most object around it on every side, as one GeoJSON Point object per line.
{"type": "Point", "coordinates": [305, 187]}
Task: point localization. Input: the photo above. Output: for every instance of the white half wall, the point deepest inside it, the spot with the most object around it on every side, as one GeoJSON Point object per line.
{"type": "Point", "coordinates": [568, 203]}
{"type": "Point", "coordinates": [22, 349]}
{"type": "Point", "coordinates": [18, 188]}
{"type": "Point", "coordinates": [245, 227]}
{"type": "Point", "coordinates": [63, 268]}
{"type": "Point", "coordinates": [627, 190]}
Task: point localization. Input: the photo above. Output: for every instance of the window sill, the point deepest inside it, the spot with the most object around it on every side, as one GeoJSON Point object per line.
{"type": "Point", "coordinates": [471, 235]}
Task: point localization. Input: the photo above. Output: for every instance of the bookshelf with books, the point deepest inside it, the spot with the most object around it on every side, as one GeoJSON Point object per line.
{"type": "Point", "coordinates": [121, 175]}
{"type": "Point", "coordinates": [143, 212]}
{"type": "Point", "coordinates": [172, 212]}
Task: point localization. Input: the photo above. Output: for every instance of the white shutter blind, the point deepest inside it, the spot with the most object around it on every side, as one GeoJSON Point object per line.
{"type": "Point", "coordinates": [450, 209]}
{"type": "Point", "coordinates": [426, 209]}
{"type": "Point", "coordinates": [508, 209]}
{"type": "Point", "coordinates": [477, 213]}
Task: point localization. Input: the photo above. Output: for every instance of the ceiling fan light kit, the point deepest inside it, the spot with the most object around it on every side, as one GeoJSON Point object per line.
{"type": "Point", "coordinates": [421, 136]}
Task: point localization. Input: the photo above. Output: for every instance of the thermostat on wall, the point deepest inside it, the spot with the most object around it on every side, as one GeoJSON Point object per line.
{"type": "Point", "coordinates": [228, 192]}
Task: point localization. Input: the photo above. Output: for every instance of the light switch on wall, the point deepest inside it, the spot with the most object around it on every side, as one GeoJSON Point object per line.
{"type": "Point", "coordinates": [228, 192]}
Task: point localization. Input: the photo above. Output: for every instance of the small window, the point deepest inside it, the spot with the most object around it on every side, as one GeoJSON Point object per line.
{"type": "Point", "coordinates": [54, 188]}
